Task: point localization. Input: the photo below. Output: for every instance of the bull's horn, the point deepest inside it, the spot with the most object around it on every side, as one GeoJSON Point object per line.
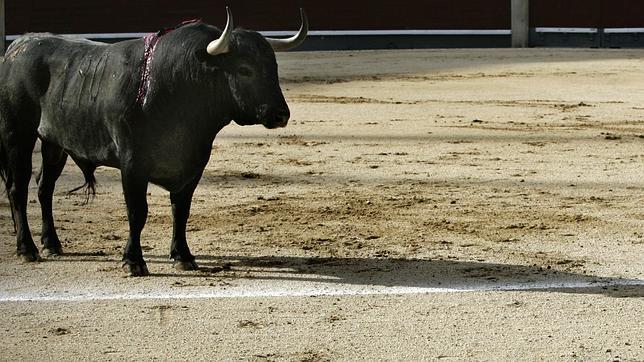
{"type": "Point", "coordinates": [280, 45]}
{"type": "Point", "coordinates": [222, 45]}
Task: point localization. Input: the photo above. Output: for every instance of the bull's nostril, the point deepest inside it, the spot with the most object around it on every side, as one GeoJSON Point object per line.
{"type": "Point", "coordinates": [284, 115]}
{"type": "Point", "coordinates": [262, 110]}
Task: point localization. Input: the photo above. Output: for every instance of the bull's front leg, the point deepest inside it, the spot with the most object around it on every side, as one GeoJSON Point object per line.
{"type": "Point", "coordinates": [135, 186]}
{"type": "Point", "coordinates": [179, 250]}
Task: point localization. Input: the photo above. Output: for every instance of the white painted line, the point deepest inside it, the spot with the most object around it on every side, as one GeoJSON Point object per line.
{"type": "Point", "coordinates": [590, 30]}
{"type": "Point", "coordinates": [107, 36]}
{"type": "Point", "coordinates": [567, 30]}
{"type": "Point", "coordinates": [338, 290]}
{"type": "Point", "coordinates": [623, 30]}
{"type": "Point", "coordinates": [399, 32]}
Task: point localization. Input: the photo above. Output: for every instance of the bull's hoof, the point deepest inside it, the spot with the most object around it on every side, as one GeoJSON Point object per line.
{"type": "Point", "coordinates": [52, 251]}
{"type": "Point", "coordinates": [30, 257]}
{"type": "Point", "coordinates": [136, 270]}
{"type": "Point", "coordinates": [51, 245]}
{"type": "Point", "coordinates": [185, 265]}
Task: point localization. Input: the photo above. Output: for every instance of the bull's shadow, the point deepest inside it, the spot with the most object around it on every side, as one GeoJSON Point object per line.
{"type": "Point", "coordinates": [420, 273]}
{"type": "Point", "coordinates": [389, 272]}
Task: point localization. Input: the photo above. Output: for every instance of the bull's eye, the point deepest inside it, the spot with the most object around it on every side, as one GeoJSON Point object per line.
{"type": "Point", "coordinates": [245, 71]}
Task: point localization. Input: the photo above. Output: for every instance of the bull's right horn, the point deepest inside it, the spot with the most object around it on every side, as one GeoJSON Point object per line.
{"type": "Point", "coordinates": [222, 45]}
{"type": "Point", "coordinates": [280, 45]}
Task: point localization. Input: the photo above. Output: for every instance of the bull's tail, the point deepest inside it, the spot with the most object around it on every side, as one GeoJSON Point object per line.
{"type": "Point", "coordinates": [7, 180]}
{"type": "Point", "coordinates": [89, 186]}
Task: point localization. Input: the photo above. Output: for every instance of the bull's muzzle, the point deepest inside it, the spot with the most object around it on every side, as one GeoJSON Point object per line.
{"type": "Point", "coordinates": [275, 118]}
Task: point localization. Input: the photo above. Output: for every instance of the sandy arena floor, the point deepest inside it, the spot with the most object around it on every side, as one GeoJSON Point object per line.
{"type": "Point", "coordinates": [435, 204]}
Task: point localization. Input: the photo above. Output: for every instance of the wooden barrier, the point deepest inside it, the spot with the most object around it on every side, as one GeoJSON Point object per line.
{"type": "Point", "coordinates": [2, 30]}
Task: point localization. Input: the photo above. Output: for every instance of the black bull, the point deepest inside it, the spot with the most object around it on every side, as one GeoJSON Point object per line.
{"type": "Point", "coordinates": [149, 108]}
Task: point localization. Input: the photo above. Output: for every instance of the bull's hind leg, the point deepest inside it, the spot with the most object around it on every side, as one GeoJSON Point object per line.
{"type": "Point", "coordinates": [19, 148]}
{"type": "Point", "coordinates": [179, 251]}
{"type": "Point", "coordinates": [53, 162]}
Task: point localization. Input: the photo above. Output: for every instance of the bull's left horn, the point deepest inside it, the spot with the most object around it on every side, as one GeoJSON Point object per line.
{"type": "Point", "coordinates": [222, 45]}
{"type": "Point", "coordinates": [280, 45]}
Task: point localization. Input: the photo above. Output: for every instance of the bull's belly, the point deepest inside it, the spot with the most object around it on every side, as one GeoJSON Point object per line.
{"type": "Point", "coordinates": [175, 170]}
{"type": "Point", "coordinates": [172, 156]}
{"type": "Point", "coordinates": [83, 140]}
{"type": "Point", "coordinates": [176, 156]}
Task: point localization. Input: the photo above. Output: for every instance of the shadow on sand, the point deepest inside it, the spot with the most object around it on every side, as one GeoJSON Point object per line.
{"type": "Point", "coordinates": [388, 272]}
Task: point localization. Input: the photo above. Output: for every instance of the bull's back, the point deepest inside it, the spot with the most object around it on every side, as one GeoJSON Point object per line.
{"type": "Point", "coordinates": [33, 60]}
{"type": "Point", "coordinates": [80, 89]}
